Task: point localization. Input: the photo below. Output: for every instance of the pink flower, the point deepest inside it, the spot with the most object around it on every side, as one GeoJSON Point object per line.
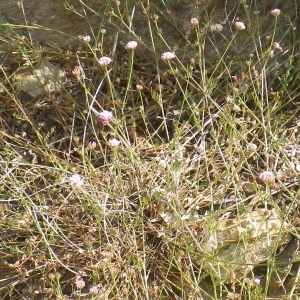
{"type": "Point", "coordinates": [104, 61]}
{"type": "Point", "coordinates": [105, 116]}
{"type": "Point", "coordinates": [114, 142]}
{"type": "Point", "coordinates": [267, 177]}
{"type": "Point", "coordinates": [131, 45]}
{"type": "Point", "coordinates": [275, 12]}
{"type": "Point", "coordinates": [239, 25]}
{"type": "Point", "coordinates": [80, 284]}
{"type": "Point", "coordinates": [194, 22]}
{"type": "Point", "coordinates": [139, 87]}
{"type": "Point", "coordinates": [167, 56]}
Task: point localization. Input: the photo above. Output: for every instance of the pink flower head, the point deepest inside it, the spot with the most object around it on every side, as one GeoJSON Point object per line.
{"type": "Point", "coordinates": [131, 45]}
{"type": "Point", "coordinates": [167, 56]}
{"type": "Point", "coordinates": [94, 290]}
{"type": "Point", "coordinates": [139, 87]}
{"type": "Point", "coordinates": [267, 177]}
{"type": "Point", "coordinates": [104, 61]}
{"type": "Point", "coordinates": [239, 25]}
{"type": "Point", "coordinates": [80, 284]}
{"type": "Point", "coordinates": [194, 22]}
{"type": "Point", "coordinates": [275, 12]}
{"type": "Point", "coordinates": [105, 116]}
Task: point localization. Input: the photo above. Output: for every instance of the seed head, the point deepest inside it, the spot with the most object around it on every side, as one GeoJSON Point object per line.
{"type": "Point", "coordinates": [239, 25]}
{"type": "Point", "coordinates": [275, 12]}
{"type": "Point", "coordinates": [131, 45]}
{"type": "Point", "coordinates": [105, 116]}
{"type": "Point", "coordinates": [154, 17]}
{"type": "Point", "coordinates": [167, 56]}
{"type": "Point", "coordinates": [104, 61]}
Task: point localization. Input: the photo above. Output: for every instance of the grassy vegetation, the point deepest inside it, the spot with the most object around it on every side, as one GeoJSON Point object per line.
{"type": "Point", "coordinates": [131, 205]}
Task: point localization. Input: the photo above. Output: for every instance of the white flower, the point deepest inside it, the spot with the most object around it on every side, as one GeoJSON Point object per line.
{"type": "Point", "coordinates": [131, 45]}
{"type": "Point", "coordinates": [114, 142]}
{"type": "Point", "coordinates": [168, 56]}
{"type": "Point", "coordinates": [85, 38]}
{"type": "Point", "coordinates": [239, 25]}
{"type": "Point", "coordinates": [76, 180]}
{"type": "Point", "coordinates": [104, 61]}
{"type": "Point", "coordinates": [252, 147]}
{"type": "Point", "coordinates": [236, 108]}
{"type": "Point", "coordinates": [277, 46]}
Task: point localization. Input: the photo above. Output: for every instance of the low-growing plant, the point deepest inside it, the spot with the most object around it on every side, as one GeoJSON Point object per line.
{"type": "Point", "coordinates": [176, 131]}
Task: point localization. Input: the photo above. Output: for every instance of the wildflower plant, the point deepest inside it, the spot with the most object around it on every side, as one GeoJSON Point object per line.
{"type": "Point", "coordinates": [169, 127]}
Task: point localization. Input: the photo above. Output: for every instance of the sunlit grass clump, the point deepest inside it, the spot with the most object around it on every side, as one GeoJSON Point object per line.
{"type": "Point", "coordinates": [164, 168]}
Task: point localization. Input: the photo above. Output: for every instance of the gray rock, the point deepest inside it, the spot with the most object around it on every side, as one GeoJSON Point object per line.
{"type": "Point", "coordinates": [41, 80]}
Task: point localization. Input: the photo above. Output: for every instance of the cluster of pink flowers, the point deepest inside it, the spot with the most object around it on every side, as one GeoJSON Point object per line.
{"type": "Point", "coordinates": [241, 26]}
